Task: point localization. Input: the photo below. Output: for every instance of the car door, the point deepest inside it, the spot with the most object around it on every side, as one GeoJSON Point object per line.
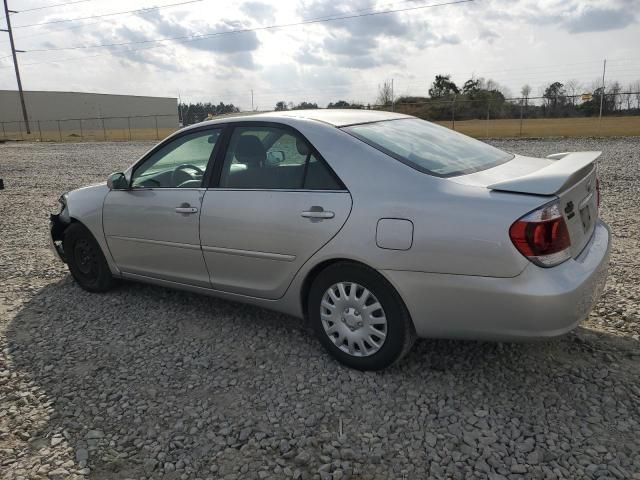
{"type": "Point", "coordinates": [152, 228]}
{"type": "Point", "coordinates": [274, 204]}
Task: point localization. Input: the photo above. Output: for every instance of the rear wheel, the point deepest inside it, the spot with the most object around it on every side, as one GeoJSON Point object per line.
{"type": "Point", "coordinates": [85, 259]}
{"type": "Point", "coordinates": [359, 317]}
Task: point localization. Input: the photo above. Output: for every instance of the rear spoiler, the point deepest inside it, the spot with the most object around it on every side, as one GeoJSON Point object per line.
{"type": "Point", "coordinates": [567, 169]}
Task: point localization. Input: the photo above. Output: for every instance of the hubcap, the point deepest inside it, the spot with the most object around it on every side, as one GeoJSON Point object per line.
{"type": "Point", "coordinates": [85, 257]}
{"type": "Point", "coordinates": [353, 319]}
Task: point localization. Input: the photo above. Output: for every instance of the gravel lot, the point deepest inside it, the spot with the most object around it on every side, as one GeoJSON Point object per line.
{"type": "Point", "coordinates": [145, 382]}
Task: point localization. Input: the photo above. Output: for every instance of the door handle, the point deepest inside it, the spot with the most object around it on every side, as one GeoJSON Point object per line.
{"type": "Point", "coordinates": [318, 212]}
{"type": "Point", "coordinates": [186, 208]}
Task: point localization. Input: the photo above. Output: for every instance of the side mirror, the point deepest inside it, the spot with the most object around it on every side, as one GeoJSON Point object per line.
{"type": "Point", "coordinates": [117, 181]}
{"type": "Point", "coordinates": [275, 157]}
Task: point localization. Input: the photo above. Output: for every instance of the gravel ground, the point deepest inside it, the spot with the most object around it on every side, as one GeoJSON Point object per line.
{"type": "Point", "coordinates": [145, 382]}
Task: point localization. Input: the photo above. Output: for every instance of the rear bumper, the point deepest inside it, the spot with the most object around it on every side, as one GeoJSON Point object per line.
{"type": "Point", "coordinates": [540, 302]}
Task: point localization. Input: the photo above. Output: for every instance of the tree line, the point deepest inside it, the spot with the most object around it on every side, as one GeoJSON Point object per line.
{"type": "Point", "coordinates": [476, 98]}
{"type": "Point", "coordinates": [190, 113]}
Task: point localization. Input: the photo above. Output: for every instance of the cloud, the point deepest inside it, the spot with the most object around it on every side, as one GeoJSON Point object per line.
{"type": "Point", "coordinates": [307, 55]}
{"type": "Point", "coordinates": [572, 15]}
{"type": "Point", "coordinates": [165, 26]}
{"type": "Point", "coordinates": [229, 43]}
{"type": "Point", "coordinates": [233, 49]}
{"type": "Point", "coordinates": [368, 41]}
{"type": "Point", "coordinates": [349, 45]}
{"type": "Point", "coordinates": [242, 60]}
{"type": "Point", "coordinates": [259, 11]}
{"type": "Point", "coordinates": [488, 35]}
{"type": "Point", "coordinates": [291, 78]}
{"type": "Point", "coordinates": [600, 19]}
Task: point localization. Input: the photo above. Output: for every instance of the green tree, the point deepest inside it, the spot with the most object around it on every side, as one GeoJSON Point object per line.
{"type": "Point", "coordinates": [471, 86]}
{"type": "Point", "coordinates": [344, 104]}
{"type": "Point", "coordinates": [281, 106]}
{"type": "Point", "coordinates": [305, 106]}
{"type": "Point", "coordinates": [555, 97]}
{"type": "Point", "coordinates": [443, 86]}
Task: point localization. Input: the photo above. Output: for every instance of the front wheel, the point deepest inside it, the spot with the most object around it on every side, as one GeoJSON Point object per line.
{"type": "Point", "coordinates": [85, 259]}
{"type": "Point", "coordinates": [359, 317]}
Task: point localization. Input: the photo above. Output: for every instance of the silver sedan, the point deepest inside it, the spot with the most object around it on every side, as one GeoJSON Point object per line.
{"type": "Point", "coordinates": [377, 227]}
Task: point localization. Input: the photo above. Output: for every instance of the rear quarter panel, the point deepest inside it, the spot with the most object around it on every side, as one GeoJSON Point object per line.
{"type": "Point", "coordinates": [458, 229]}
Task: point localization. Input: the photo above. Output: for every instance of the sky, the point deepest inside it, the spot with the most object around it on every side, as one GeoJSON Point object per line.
{"type": "Point", "coordinates": [185, 48]}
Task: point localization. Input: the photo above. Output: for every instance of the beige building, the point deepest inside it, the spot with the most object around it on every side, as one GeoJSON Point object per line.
{"type": "Point", "coordinates": [86, 112]}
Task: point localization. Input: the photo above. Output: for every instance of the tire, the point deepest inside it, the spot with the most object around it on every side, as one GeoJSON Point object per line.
{"type": "Point", "coordinates": [355, 331]}
{"type": "Point", "coordinates": [85, 259]}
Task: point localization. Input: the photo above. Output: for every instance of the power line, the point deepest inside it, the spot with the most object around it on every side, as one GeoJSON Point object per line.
{"type": "Point", "coordinates": [104, 15]}
{"type": "Point", "coordinates": [84, 25]}
{"type": "Point", "coordinates": [64, 4]}
{"type": "Point", "coordinates": [142, 13]}
{"type": "Point", "coordinates": [192, 38]}
{"type": "Point", "coordinates": [50, 6]}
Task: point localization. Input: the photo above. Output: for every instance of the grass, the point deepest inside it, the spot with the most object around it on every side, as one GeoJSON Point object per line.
{"type": "Point", "coordinates": [549, 127]}
{"type": "Point", "coordinates": [536, 127]}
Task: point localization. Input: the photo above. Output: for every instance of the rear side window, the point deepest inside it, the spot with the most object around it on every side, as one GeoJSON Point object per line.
{"type": "Point", "coordinates": [428, 147]}
{"type": "Point", "coordinates": [273, 158]}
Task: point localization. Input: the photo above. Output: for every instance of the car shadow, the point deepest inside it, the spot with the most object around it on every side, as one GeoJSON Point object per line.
{"type": "Point", "coordinates": [144, 376]}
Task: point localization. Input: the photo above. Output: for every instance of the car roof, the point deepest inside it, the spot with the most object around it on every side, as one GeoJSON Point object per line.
{"type": "Point", "coordinates": [335, 117]}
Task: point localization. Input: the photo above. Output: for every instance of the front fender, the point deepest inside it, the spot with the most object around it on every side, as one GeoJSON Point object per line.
{"type": "Point", "coordinates": [84, 205]}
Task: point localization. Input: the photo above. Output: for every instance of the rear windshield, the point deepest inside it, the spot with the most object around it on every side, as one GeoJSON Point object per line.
{"type": "Point", "coordinates": [428, 147]}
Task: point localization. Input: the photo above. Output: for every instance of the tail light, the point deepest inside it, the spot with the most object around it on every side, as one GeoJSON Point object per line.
{"type": "Point", "coordinates": [542, 236]}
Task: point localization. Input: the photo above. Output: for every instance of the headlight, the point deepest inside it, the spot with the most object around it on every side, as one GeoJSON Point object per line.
{"type": "Point", "coordinates": [62, 200]}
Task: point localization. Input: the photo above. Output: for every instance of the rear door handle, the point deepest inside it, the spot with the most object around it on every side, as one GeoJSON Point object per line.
{"type": "Point", "coordinates": [186, 208]}
{"type": "Point", "coordinates": [318, 212]}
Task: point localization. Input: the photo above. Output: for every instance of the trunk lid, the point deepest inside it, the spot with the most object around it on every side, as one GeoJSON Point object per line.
{"type": "Point", "coordinates": [570, 177]}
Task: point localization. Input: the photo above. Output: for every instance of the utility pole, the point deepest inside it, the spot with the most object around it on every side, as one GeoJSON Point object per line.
{"type": "Point", "coordinates": [15, 63]}
{"type": "Point", "coordinates": [252, 99]}
{"type": "Point", "coordinates": [392, 97]}
{"type": "Point", "coordinates": [604, 69]}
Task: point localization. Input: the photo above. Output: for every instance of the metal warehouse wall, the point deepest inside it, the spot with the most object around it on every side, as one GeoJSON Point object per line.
{"type": "Point", "coordinates": [66, 105]}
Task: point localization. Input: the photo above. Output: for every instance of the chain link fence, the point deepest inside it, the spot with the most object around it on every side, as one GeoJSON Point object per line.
{"type": "Point", "coordinates": [488, 114]}
{"type": "Point", "coordinates": [143, 127]}
{"type": "Point", "coordinates": [492, 115]}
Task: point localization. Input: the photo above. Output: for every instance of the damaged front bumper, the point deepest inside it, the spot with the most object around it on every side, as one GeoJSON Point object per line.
{"type": "Point", "coordinates": [57, 228]}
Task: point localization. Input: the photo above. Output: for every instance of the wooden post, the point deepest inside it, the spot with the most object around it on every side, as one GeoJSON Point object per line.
{"type": "Point", "coordinates": [40, 130]}
{"type": "Point", "coordinates": [157, 134]}
{"type": "Point", "coordinates": [488, 107]}
{"type": "Point", "coordinates": [15, 64]}
{"type": "Point", "coordinates": [604, 69]}
{"type": "Point", "coordinates": [81, 132]}
{"type": "Point", "coordinates": [59, 131]}
{"type": "Point", "coordinates": [521, 110]}
{"type": "Point", "coordinates": [104, 130]}
{"type": "Point", "coordinates": [129, 124]}
{"type": "Point", "coordinates": [4, 134]}
{"type": "Point", "coordinates": [453, 113]}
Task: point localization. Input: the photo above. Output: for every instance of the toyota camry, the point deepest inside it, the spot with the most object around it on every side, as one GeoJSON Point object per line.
{"type": "Point", "coordinates": [375, 226]}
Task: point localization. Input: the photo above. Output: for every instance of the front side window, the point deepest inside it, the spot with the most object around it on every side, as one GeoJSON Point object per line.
{"type": "Point", "coordinates": [273, 158]}
{"type": "Point", "coordinates": [180, 163]}
{"type": "Point", "coordinates": [428, 147]}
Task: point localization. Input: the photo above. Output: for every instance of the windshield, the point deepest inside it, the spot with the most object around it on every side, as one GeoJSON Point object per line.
{"type": "Point", "coordinates": [428, 147]}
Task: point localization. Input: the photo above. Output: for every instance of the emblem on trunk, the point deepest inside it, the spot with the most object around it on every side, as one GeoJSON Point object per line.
{"type": "Point", "coordinates": [568, 209]}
